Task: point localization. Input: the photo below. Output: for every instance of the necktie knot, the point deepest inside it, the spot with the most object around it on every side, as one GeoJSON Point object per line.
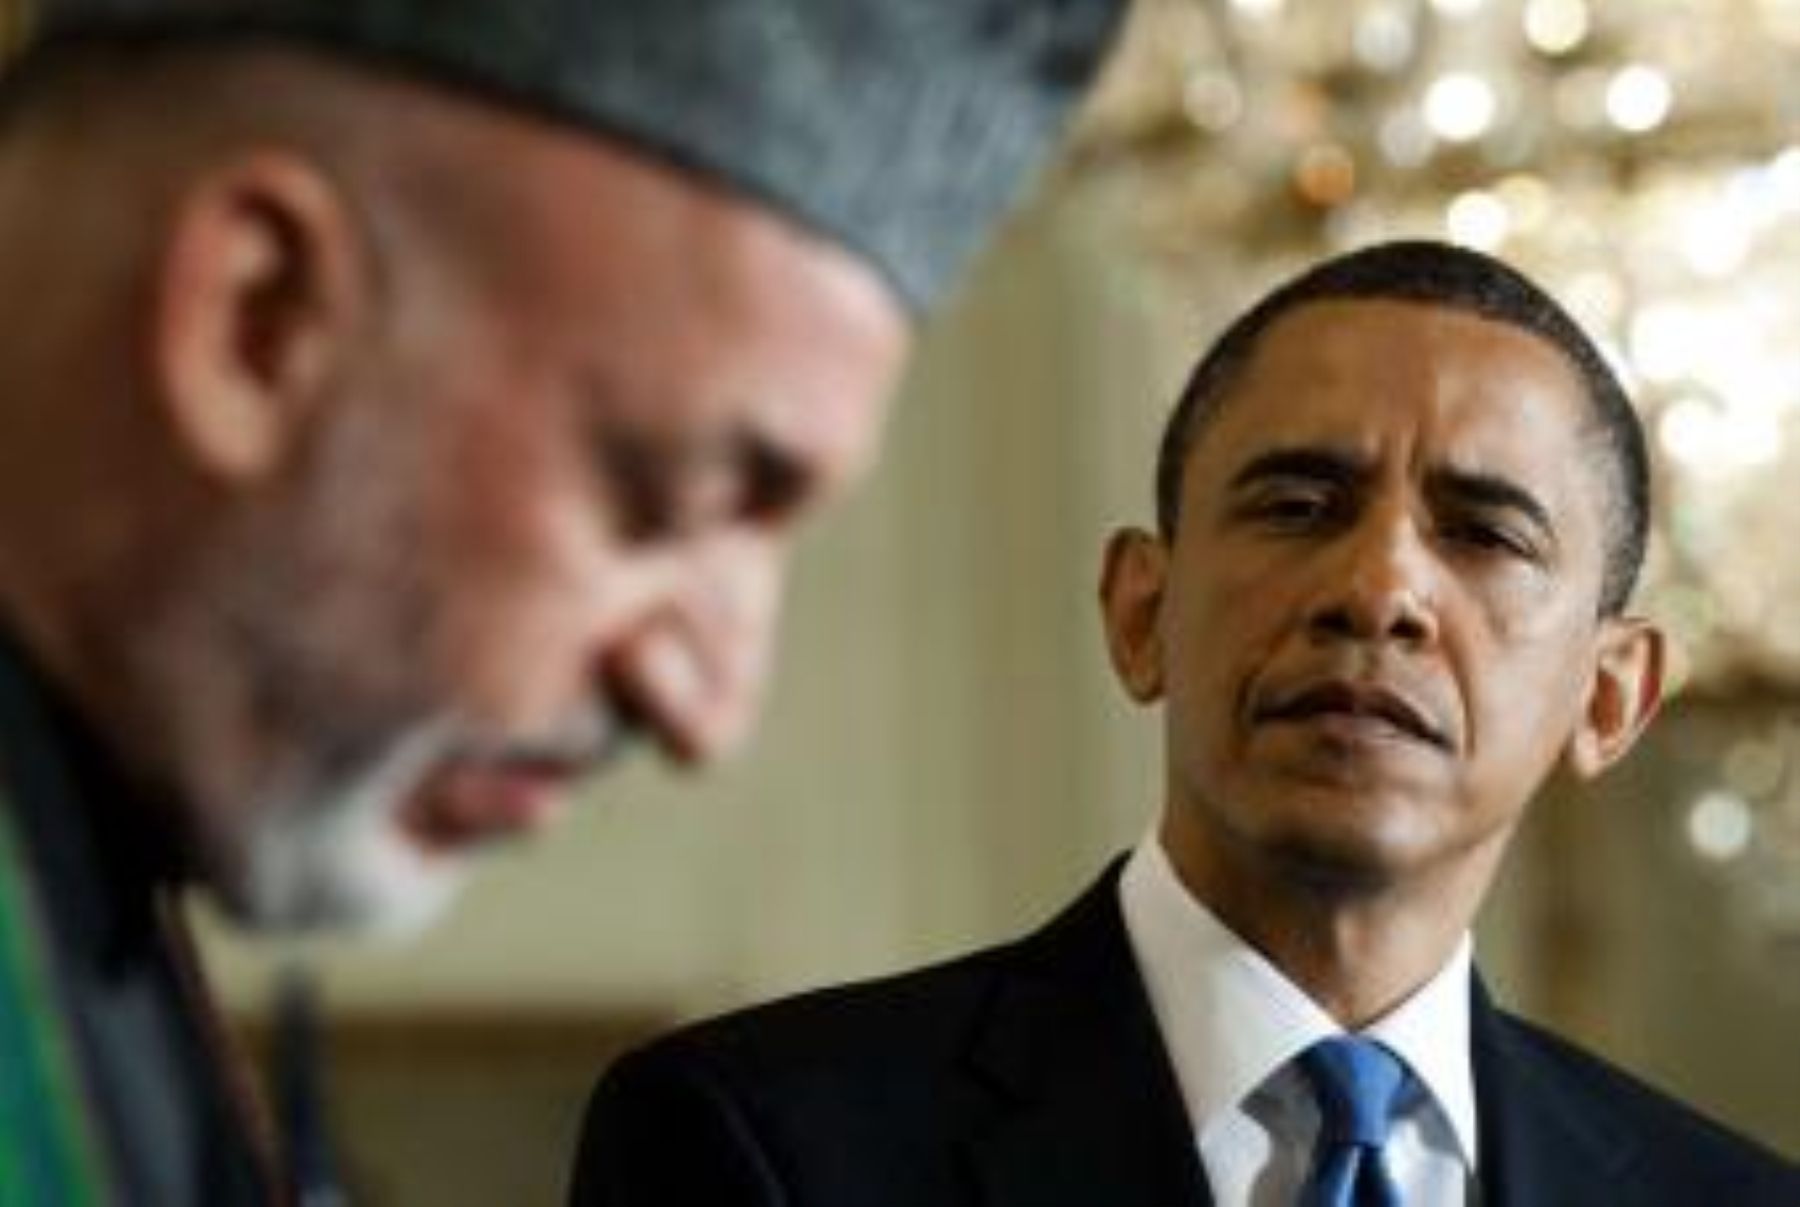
{"type": "Point", "coordinates": [1357, 1083]}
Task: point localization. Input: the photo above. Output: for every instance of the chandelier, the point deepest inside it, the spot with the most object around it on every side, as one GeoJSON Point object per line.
{"type": "Point", "coordinates": [1642, 159]}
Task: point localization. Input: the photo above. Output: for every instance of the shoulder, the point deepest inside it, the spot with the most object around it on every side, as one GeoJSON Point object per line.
{"type": "Point", "coordinates": [1672, 1145]}
{"type": "Point", "coordinates": [857, 1094]}
{"type": "Point", "coordinates": [898, 1028]}
{"type": "Point", "coordinates": [892, 1026]}
{"type": "Point", "coordinates": [843, 1095]}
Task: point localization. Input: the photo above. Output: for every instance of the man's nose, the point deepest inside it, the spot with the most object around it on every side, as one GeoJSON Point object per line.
{"type": "Point", "coordinates": [693, 671]}
{"type": "Point", "coordinates": [1381, 587]}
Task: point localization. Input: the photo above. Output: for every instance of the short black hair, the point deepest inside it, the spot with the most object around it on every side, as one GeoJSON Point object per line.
{"type": "Point", "coordinates": [1437, 274]}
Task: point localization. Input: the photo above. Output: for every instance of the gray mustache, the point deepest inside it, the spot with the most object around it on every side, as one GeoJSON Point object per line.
{"type": "Point", "coordinates": [581, 744]}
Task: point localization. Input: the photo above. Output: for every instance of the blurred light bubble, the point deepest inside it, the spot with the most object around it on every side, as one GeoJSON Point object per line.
{"type": "Point", "coordinates": [1458, 8]}
{"type": "Point", "coordinates": [1212, 100]}
{"type": "Point", "coordinates": [1596, 296]}
{"type": "Point", "coordinates": [1750, 191]}
{"type": "Point", "coordinates": [1384, 39]}
{"type": "Point", "coordinates": [1686, 431]}
{"type": "Point", "coordinates": [1478, 219]}
{"type": "Point", "coordinates": [1639, 98]}
{"type": "Point", "coordinates": [1325, 175]}
{"type": "Point", "coordinates": [1258, 8]}
{"type": "Point", "coordinates": [1405, 140]}
{"type": "Point", "coordinates": [1528, 198]}
{"type": "Point", "coordinates": [1784, 179]}
{"type": "Point", "coordinates": [1753, 439]}
{"type": "Point", "coordinates": [1744, 364]}
{"type": "Point", "coordinates": [1556, 27]}
{"type": "Point", "coordinates": [1713, 244]}
{"type": "Point", "coordinates": [1460, 106]}
{"type": "Point", "coordinates": [1710, 443]}
{"type": "Point", "coordinates": [1663, 341]}
{"type": "Point", "coordinates": [1720, 825]}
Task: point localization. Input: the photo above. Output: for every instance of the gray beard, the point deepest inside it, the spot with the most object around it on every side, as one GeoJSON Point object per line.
{"type": "Point", "coordinates": [330, 854]}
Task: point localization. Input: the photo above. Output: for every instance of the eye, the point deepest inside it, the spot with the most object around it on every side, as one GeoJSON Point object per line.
{"type": "Point", "coordinates": [1293, 506]}
{"type": "Point", "coordinates": [660, 491]}
{"type": "Point", "coordinates": [778, 485]}
{"type": "Point", "coordinates": [635, 479]}
{"type": "Point", "coordinates": [1489, 536]}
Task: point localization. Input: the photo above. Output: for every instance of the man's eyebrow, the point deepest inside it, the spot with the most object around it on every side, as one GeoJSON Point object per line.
{"type": "Point", "coordinates": [1484, 489]}
{"type": "Point", "coordinates": [1475, 487]}
{"type": "Point", "coordinates": [1314, 462]}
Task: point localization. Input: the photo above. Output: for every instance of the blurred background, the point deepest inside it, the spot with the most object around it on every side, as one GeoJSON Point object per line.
{"type": "Point", "coordinates": [946, 760]}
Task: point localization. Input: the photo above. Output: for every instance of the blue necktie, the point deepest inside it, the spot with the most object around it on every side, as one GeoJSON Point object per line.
{"type": "Point", "coordinates": [1357, 1083]}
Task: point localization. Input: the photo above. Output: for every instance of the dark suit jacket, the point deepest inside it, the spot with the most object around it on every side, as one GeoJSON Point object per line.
{"type": "Point", "coordinates": [1033, 1075]}
{"type": "Point", "coordinates": [155, 1102]}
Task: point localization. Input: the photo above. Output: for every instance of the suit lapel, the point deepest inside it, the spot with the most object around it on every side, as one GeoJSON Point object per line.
{"type": "Point", "coordinates": [1089, 1110]}
{"type": "Point", "coordinates": [1546, 1141]}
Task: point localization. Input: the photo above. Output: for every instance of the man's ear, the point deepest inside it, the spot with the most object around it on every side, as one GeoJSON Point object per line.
{"type": "Point", "coordinates": [1132, 581]}
{"type": "Point", "coordinates": [260, 284]}
{"type": "Point", "coordinates": [1624, 694]}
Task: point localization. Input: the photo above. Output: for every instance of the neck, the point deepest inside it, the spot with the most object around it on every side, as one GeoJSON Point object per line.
{"type": "Point", "coordinates": [1359, 944]}
{"type": "Point", "coordinates": [84, 539]}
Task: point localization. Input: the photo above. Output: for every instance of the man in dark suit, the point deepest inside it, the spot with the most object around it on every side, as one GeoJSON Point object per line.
{"type": "Point", "coordinates": [1402, 503]}
{"type": "Point", "coordinates": [399, 403]}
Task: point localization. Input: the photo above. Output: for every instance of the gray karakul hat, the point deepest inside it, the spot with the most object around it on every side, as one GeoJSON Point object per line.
{"type": "Point", "coordinates": [899, 128]}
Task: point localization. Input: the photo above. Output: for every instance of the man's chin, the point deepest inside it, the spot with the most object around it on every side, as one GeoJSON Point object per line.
{"type": "Point", "coordinates": [469, 805]}
{"type": "Point", "coordinates": [376, 889]}
{"type": "Point", "coordinates": [385, 853]}
{"type": "Point", "coordinates": [342, 864]}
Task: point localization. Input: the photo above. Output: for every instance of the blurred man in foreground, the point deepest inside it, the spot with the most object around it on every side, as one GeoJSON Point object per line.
{"type": "Point", "coordinates": [1402, 505]}
{"type": "Point", "coordinates": [399, 403]}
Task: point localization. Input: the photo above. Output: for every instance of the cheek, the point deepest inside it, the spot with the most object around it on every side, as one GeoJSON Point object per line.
{"type": "Point", "coordinates": [1518, 604]}
{"type": "Point", "coordinates": [1529, 691]}
{"type": "Point", "coordinates": [514, 549]}
{"type": "Point", "coordinates": [1532, 632]}
{"type": "Point", "coordinates": [1216, 644]}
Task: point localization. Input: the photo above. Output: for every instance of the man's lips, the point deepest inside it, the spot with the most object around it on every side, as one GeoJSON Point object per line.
{"type": "Point", "coordinates": [1357, 700]}
{"type": "Point", "coordinates": [486, 791]}
{"type": "Point", "coordinates": [469, 804]}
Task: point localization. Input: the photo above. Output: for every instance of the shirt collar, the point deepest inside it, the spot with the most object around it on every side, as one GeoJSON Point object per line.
{"type": "Point", "coordinates": [1430, 1032]}
{"type": "Point", "coordinates": [1230, 1019]}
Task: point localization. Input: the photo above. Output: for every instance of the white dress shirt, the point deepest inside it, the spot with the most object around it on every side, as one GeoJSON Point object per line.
{"type": "Point", "coordinates": [1233, 1024]}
